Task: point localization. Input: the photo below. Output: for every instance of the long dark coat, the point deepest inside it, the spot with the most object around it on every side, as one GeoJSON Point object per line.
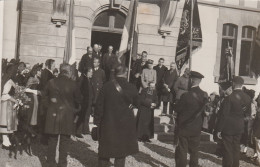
{"type": "Point", "coordinates": [98, 80]}
{"type": "Point", "coordinates": [45, 77]}
{"type": "Point", "coordinates": [231, 121]}
{"type": "Point", "coordinates": [190, 104]}
{"type": "Point", "coordinates": [160, 71]}
{"type": "Point", "coordinates": [60, 113]}
{"type": "Point", "coordinates": [169, 78]}
{"type": "Point", "coordinates": [85, 63]}
{"type": "Point", "coordinates": [86, 88]}
{"type": "Point", "coordinates": [107, 64]}
{"type": "Point", "coordinates": [118, 137]}
{"type": "Point", "coordinates": [145, 115]}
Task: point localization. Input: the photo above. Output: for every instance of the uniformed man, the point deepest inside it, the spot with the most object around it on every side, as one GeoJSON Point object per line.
{"type": "Point", "coordinates": [189, 122]}
{"type": "Point", "coordinates": [231, 123]}
{"type": "Point", "coordinates": [182, 84]}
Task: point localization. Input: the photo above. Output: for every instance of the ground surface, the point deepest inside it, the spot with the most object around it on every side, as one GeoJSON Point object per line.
{"type": "Point", "coordinates": [83, 152]}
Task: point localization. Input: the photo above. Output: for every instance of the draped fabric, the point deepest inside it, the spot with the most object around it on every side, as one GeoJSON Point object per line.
{"type": "Point", "coordinates": [183, 43]}
{"type": "Point", "coordinates": [255, 63]}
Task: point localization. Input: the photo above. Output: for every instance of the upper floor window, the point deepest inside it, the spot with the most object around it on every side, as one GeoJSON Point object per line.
{"type": "Point", "coordinates": [228, 52]}
{"type": "Point", "coordinates": [248, 36]}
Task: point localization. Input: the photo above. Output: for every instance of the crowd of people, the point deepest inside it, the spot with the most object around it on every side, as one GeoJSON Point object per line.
{"type": "Point", "coordinates": [47, 103]}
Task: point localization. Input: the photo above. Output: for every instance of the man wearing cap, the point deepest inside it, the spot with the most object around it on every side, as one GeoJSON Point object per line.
{"type": "Point", "coordinates": [231, 123]}
{"type": "Point", "coordinates": [189, 122]}
{"type": "Point", "coordinates": [148, 75]}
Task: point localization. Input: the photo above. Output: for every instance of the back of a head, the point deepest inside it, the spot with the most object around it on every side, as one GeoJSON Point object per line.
{"type": "Point", "coordinates": [121, 70]}
{"type": "Point", "coordinates": [65, 69]}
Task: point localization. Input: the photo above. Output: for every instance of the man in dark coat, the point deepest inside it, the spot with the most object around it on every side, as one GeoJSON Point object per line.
{"type": "Point", "coordinates": [145, 115]}
{"type": "Point", "coordinates": [86, 61]}
{"type": "Point", "coordinates": [189, 122]}
{"type": "Point", "coordinates": [97, 53]}
{"type": "Point", "coordinates": [107, 62]}
{"type": "Point", "coordinates": [64, 98]}
{"type": "Point", "coordinates": [231, 123]}
{"type": "Point", "coordinates": [98, 79]}
{"type": "Point", "coordinates": [167, 93]}
{"type": "Point", "coordinates": [86, 88]}
{"type": "Point", "coordinates": [115, 119]}
{"type": "Point", "coordinates": [137, 70]}
{"type": "Point", "coordinates": [47, 73]}
{"type": "Point", "coordinates": [46, 76]}
{"type": "Point", "coordinates": [160, 71]}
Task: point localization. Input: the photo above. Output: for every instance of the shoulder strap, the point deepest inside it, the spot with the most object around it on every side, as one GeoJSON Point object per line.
{"type": "Point", "coordinates": [195, 115]}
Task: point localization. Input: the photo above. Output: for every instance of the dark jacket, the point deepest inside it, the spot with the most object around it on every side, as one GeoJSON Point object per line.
{"type": "Point", "coordinates": [231, 121]}
{"type": "Point", "coordinates": [108, 64]}
{"type": "Point", "coordinates": [256, 125]}
{"type": "Point", "coordinates": [45, 77]}
{"type": "Point", "coordinates": [85, 63]}
{"type": "Point", "coordinates": [169, 79]}
{"type": "Point", "coordinates": [60, 112]}
{"type": "Point", "coordinates": [191, 103]}
{"type": "Point", "coordinates": [160, 71]}
{"type": "Point", "coordinates": [118, 137]}
{"type": "Point", "coordinates": [98, 80]}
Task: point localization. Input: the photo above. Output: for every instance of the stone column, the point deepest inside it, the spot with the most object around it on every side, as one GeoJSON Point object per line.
{"type": "Point", "coordinates": [10, 28]}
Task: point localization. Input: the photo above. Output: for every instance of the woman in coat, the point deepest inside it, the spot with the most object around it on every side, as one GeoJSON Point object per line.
{"type": "Point", "coordinates": [8, 116]}
{"type": "Point", "coordinates": [29, 118]}
{"type": "Point", "coordinates": [145, 116]}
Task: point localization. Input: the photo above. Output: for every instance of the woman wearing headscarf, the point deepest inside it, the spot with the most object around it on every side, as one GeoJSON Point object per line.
{"type": "Point", "coordinates": [8, 116]}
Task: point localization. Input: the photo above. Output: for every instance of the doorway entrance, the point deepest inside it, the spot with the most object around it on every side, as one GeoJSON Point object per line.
{"type": "Point", "coordinates": [106, 39]}
{"type": "Point", "coordinates": [107, 29]}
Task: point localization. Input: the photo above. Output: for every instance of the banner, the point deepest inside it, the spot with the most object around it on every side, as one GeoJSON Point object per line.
{"type": "Point", "coordinates": [183, 43]}
{"type": "Point", "coordinates": [70, 51]}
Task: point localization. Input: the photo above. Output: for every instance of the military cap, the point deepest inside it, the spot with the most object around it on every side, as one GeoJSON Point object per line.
{"type": "Point", "coordinates": [195, 74]}
{"type": "Point", "coordinates": [238, 80]}
{"type": "Point", "coordinates": [149, 61]}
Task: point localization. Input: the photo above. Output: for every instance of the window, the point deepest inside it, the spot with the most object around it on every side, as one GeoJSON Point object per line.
{"type": "Point", "coordinates": [109, 21]}
{"type": "Point", "coordinates": [248, 35]}
{"type": "Point", "coordinates": [229, 41]}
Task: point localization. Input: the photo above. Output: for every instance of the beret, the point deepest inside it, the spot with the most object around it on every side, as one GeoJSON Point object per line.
{"type": "Point", "coordinates": [195, 74]}
{"type": "Point", "coordinates": [149, 61]}
{"type": "Point", "coordinates": [238, 80]}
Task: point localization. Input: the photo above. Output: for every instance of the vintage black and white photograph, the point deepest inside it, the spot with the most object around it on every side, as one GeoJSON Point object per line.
{"type": "Point", "coordinates": [130, 83]}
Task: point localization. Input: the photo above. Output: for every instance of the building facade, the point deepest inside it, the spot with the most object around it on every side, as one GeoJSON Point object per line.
{"type": "Point", "coordinates": [35, 30]}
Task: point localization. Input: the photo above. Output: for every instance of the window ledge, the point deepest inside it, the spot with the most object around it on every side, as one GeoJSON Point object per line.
{"type": "Point", "coordinates": [247, 80]}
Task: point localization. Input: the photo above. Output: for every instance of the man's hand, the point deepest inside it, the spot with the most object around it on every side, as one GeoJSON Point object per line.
{"type": "Point", "coordinates": [137, 75]}
{"type": "Point", "coordinates": [219, 135]}
{"type": "Point", "coordinates": [153, 105]}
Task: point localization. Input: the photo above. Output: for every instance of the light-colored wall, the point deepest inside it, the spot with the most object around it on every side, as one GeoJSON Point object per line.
{"type": "Point", "coordinates": [150, 40]}
{"type": "Point", "coordinates": [204, 59]}
{"type": "Point", "coordinates": [10, 25]}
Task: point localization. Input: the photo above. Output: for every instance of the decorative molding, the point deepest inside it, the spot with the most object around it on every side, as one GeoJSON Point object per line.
{"type": "Point", "coordinates": [59, 12]}
{"type": "Point", "coordinates": [167, 14]}
{"type": "Point", "coordinates": [116, 4]}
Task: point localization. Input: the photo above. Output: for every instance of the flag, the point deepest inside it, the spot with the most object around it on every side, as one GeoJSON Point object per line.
{"type": "Point", "coordinates": [183, 43]}
{"type": "Point", "coordinates": [255, 62]}
{"type": "Point", "coordinates": [69, 52]}
{"type": "Point", "coordinates": [129, 28]}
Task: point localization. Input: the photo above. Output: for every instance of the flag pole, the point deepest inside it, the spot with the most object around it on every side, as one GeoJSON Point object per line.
{"type": "Point", "coordinates": [191, 34]}
{"type": "Point", "coordinates": [131, 42]}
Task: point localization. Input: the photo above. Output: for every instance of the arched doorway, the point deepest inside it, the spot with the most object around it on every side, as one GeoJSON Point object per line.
{"type": "Point", "coordinates": [107, 29]}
